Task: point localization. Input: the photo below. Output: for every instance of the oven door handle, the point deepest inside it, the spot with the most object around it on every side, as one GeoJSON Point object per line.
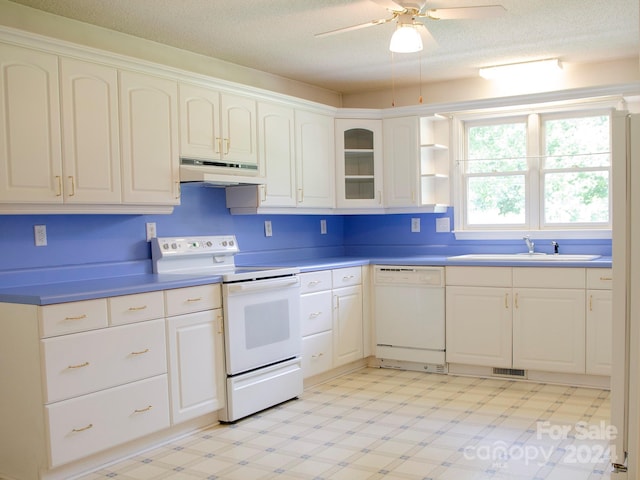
{"type": "Point", "coordinates": [261, 285]}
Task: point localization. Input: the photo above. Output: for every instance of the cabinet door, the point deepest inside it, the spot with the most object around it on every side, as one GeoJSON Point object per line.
{"type": "Point", "coordinates": [478, 326]}
{"type": "Point", "coordinates": [276, 131]}
{"type": "Point", "coordinates": [315, 153]}
{"type": "Point", "coordinates": [347, 325]}
{"type": "Point", "coordinates": [30, 150]}
{"type": "Point", "coordinates": [149, 133]}
{"type": "Point", "coordinates": [91, 136]}
{"type": "Point", "coordinates": [196, 364]}
{"type": "Point", "coordinates": [358, 163]}
{"type": "Point", "coordinates": [549, 329]}
{"type": "Point", "coordinates": [239, 129]}
{"type": "Point", "coordinates": [599, 332]}
{"type": "Point", "coordinates": [200, 132]}
{"type": "Point", "coordinates": [401, 158]}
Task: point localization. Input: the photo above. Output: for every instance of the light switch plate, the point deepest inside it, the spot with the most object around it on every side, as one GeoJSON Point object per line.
{"type": "Point", "coordinates": [40, 235]}
{"type": "Point", "coordinates": [415, 225]}
{"type": "Point", "coordinates": [323, 227]}
{"type": "Point", "coordinates": [268, 232]}
{"type": "Point", "coordinates": [151, 230]}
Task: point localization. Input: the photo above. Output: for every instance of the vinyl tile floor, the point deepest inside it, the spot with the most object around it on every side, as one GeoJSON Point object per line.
{"type": "Point", "coordinates": [390, 424]}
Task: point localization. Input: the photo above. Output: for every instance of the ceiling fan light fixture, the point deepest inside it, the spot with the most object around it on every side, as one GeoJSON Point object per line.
{"type": "Point", "coordinates": [525, 69]}
{"type": "Point", "coordinates": [406, 39]}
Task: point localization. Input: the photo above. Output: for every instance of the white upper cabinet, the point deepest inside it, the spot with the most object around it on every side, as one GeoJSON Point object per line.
{"type": "Point", "coordinates": [149, 120]}
{"type": "Point", "coordinates": [359, 163]}
{"type": "Point", "coordinates": [416, 162]}
{"type": "Point", "coordinates": [217, 126]}
{"type": "Point", "coordinates": [276, 147]}
{"type": "Point", "coordinates": [401, 162]}
{"type": "Point", "coordinates": [91, 140]}
{"type": "Point", "coordinates": [315, 157]}
{"type": "Point", "coordinates": [30, 142]}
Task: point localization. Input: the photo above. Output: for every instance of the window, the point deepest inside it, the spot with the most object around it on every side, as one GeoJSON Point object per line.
{"type": "Point", "coordinates": [540, 171]}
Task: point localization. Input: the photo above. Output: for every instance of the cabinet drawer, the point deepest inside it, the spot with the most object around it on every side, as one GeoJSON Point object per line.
{"type": "Point", "coordinates": [475, 276]}
{"type": "Point", "coordinates": [599, 278]}
{"type": "Point", "coordinates": [317, 353]}
{"type": "Point", "coordinates": [315, 281]}
{"type": "Point", "coordinates": [192, 299]}
{"type": "Point", "coordinates": [537, 277]}
{"type": "Point", "coordinates": [344, 277]}
{"type": "Point", "coordinates": [136, 308]}
{"type": "Point", "coordinates": [90, 361]}
{"type": "Point", "coordinates": [91, 423]}
{"type": "Point", "coordinates": [72, 317]}
{"type": "Point", "coordinates": [315, 312]}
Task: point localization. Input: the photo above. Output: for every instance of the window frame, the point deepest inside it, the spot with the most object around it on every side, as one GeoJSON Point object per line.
{"type": "Point", "coordinates": [535, 224]}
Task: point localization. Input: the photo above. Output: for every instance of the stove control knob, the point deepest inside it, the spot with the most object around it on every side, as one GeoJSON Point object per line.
{"type": "Point", "coordinates": [224, 243]}
{"type": "Point", "coordinates": [231, 243]}
{"type": "Point", "coordinates": [174, 246]}
{"type": "Point", "coordinates": [209, 243]}
{"type": "Point", "coordinates": [165, 246]}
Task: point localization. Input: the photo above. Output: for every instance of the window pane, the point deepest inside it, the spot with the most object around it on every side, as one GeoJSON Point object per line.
{"type": "Point", "coordinates": [577, 142]}
{"type": "Point", "coordinates": [497, 148]}
{"type": "Point", "coordinates": [496, 200]}
{"type": "Point", "coordinates": [581, 197]}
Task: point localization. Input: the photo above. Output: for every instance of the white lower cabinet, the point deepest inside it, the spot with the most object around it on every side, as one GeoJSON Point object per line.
{"type": "Point", "coordinates": [83, 377]}
{"type": "Point", "coordinates": [549, 330]}
{"type": "Point", "coordinates": [529, 318]}
{"type": "Point", "coordinates": [91, 423]}
{"type": "Point", "coordinates": [347, 325]}
{"type": "Point", "coordinates": [478, 326]}
{"type": "Point", "coordinates": [195, 351]}
{"type": "Point", "coordinates": [599, 322]}
{"type": "Point", "coordinates": [331, 312]}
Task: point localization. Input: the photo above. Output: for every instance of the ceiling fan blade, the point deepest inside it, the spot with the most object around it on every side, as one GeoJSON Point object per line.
{"type": "Point", "coordinates": [456, 13]}
{"type": "Point", "coordinates": [356, 27]}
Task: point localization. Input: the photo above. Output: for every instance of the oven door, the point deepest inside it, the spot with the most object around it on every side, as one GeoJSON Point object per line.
{"type": "Point", "coordinates": [262, 323]}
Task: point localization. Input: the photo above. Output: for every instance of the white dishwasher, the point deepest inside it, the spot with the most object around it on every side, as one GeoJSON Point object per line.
{"type": "Point", "coordinates": [409, 315]}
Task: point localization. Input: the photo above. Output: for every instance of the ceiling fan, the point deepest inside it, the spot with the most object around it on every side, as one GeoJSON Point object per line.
{"type": "Point", "coordinates": [406, 38]}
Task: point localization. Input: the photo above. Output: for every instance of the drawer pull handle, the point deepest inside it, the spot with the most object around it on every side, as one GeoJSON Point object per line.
{"type": "Point", "coordinates": [604, 279]}
{"type": "Point", "coordinates": [196, 299]}
{"type": "Point", "coordinates": [79, 317]}
{"type": "Point", "coordinates": [141, 352]}
{"type": "Point", "coordinates": [591, 303]}
{"type": "Point", "coordinates": [313, 283]}
{"type": "Point", "coordinates": [506, 301]}
{"type": "Point", "coordinates": [82, 429]}
{"type": "Point", "coordinates": [348, 277]}
{"type": "Point", "coordinates": [135, 309]}
{"type": "Point", "coordinates": [80, 365]}
{"type": "Point", "coordinates": [317, 355]}
{"type": "Point", "coordinates": [142, 410]}
{"type": "Point", "coordinates": [315, 314]}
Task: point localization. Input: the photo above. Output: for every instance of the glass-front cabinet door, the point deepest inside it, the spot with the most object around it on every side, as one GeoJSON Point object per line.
{"type": "Point", "coordinates": [359, 163]}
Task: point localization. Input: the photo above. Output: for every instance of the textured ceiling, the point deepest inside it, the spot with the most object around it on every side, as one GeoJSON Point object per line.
{"type": "Point", "coordinates": [277, 36]}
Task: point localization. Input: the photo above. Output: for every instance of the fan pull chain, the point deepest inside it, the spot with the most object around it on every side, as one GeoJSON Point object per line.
{"type": "Point", "coordinates": [420, 79]}
{"type": "Point", "coordinates": [393, 81]}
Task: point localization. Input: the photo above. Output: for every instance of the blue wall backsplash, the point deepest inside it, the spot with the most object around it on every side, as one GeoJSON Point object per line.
{"type": "Point", "coordinates": [88, 244]}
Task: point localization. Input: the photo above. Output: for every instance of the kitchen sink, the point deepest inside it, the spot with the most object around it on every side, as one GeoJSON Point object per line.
{"type": "Point", "coordinates": [523, 257]}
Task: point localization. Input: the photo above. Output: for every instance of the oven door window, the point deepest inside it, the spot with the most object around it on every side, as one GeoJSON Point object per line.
{"type": "Point", "coordinates": [261, 328]}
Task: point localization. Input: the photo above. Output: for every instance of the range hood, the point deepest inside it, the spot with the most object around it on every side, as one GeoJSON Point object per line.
{"type": "Point", "coordinates": [219, 173]}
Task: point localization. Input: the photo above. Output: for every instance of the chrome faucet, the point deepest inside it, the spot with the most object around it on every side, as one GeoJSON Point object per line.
{"type": "Point", "coordinates": [530, 244]}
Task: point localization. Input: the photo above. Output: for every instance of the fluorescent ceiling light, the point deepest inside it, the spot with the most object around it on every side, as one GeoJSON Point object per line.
{"type": "Point", "coordinates": [406, 39]}
{"type": "Point", "coordinates": [525, 69]}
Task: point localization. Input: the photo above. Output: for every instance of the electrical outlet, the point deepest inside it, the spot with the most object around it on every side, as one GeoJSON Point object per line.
{"type": "Point", "coordinates": [443, 225]}
{"type": "Point", "coordinates": [151, 230]}
{"type": "Point", "coordinates": [40, 235]}
{"type": "Point", "coordinates": [323, 227]}
{"type": "Point", "coordinates": [268, 232]}
{"type": "Point", "coordinates": [415, 225]}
